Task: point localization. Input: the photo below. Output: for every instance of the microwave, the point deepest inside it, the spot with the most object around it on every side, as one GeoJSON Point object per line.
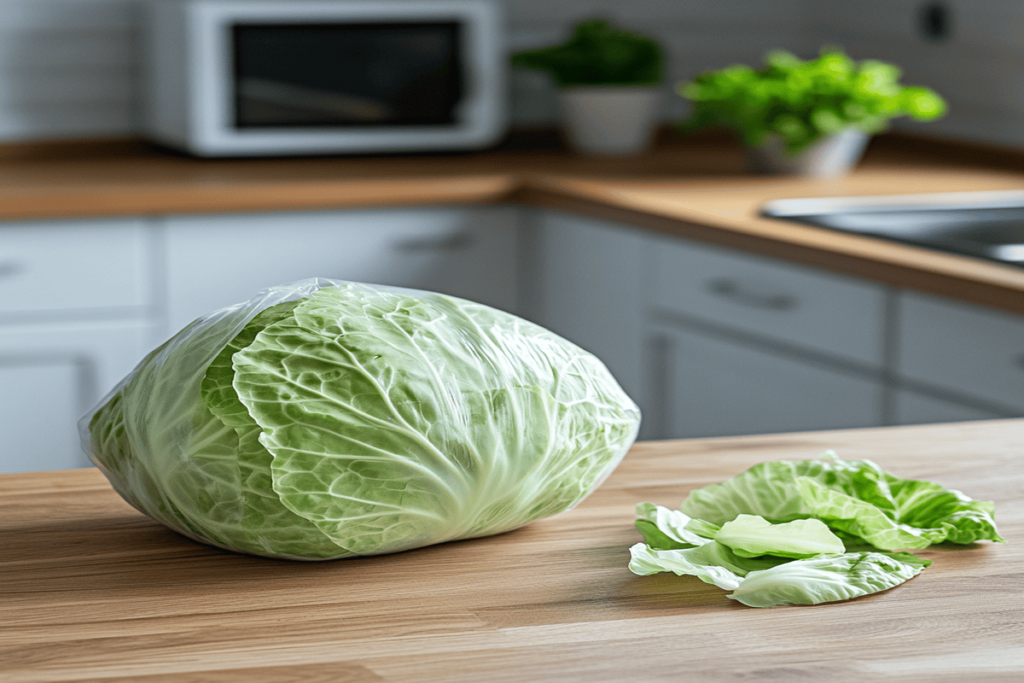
{"type": "Point", "coordinates": [227, 78]}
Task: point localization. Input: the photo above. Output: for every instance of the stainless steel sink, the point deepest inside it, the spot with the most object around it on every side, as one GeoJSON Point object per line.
{"type": "Point", "coordinates": [987, 225]}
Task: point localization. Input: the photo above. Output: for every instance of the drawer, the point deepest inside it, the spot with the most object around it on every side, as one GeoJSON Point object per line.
{"type": "Point", "coordinates": [709, 386]}
{"type": "Point", "coordinates": [52, 374]}
{"type": "Point", "coordinates": [72, 265]}
{"type": "Point", "coordinates": [215, 261]}
{"type": "Point", "coordinates": [801, 306]}
{"type": "Point", "coordinates": [970, 351]}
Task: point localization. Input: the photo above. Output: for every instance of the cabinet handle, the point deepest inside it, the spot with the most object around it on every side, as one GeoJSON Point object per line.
{"type": "Point", "coordinates": [8, 268]}
{"type": "Point", "coordinates": [732, 290]}
{"type": "Point", "coordinates": [456, 242]}
{"type": "Point", "coordinates": [1020, 361]}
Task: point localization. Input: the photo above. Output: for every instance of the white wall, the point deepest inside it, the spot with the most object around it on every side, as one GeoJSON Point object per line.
{"type": "Point", "coordinates": [979, 69]}
{"type": "Point", "coordinates": [697, 34]}
{"type": "Point", "coordinates": [68, 68]}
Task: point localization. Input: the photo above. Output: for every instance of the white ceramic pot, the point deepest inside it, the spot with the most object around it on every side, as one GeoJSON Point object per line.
{"type": "Point", "coordinates": [833, 156]}
{"type": "Point", "coordinates": [610, 120]}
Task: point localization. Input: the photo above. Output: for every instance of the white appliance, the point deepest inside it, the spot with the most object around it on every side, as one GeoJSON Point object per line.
{"type": "Point", "coordinates": [279, 77]}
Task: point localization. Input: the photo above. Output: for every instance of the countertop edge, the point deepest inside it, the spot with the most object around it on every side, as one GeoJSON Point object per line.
{"type": "Point", "coordinates": [177, 186]}
{"type": "Point", "coordinates": [960, 278]}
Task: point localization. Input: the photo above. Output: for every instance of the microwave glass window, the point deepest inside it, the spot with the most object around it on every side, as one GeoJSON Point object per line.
{"type": "Point", "coordinates": [329, 75]}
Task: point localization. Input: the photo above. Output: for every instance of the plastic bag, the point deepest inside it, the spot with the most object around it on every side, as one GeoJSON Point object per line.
{"type": "Point", "coordinates": [327, 419]}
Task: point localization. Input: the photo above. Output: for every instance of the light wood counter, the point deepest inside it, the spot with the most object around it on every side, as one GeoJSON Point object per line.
{"type": "Point", "coordinates": [92, 590]}
{"type": "Point", "coordinates": [695, 189]}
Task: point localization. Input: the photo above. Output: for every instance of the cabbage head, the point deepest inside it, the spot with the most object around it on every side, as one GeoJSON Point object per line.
{"type": "Point", "coordinates": [329, 419]}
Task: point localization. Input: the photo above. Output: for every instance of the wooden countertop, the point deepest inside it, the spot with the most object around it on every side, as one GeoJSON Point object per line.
{"type": "Point", "coordinates": [692, 188]}
{"type": "Point", "coordinates": [92, 590]}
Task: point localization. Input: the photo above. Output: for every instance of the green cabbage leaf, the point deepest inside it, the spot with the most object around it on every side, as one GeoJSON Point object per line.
{"type": "Point", "coordinates": [713, 563]}
{"type": "Point", "coordinates": [665, 529]}
{"type": "Point", "coordinates": [806, 532]}
{"type": "Point", "coordinates": [750, 536]}
{"type": "Point", "coordinates": [827, 578]}
{"type": "Point", "coordinates": [771, 581]}
{"type": "Point", "coordinates": [853, 497]}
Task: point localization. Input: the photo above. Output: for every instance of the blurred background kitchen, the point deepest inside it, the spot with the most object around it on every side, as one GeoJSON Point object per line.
{"type": "Point", "coordinates": [69, 68]}
{"type": "Point", "coordinates": [82, 298]}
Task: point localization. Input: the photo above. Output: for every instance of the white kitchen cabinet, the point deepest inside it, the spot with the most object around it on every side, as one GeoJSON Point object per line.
{"type": "Point", "coordinates": [955, 362]}
{"type": "Point", "coordinates": [707, 385]}
{"type": "Point", "coordinates": [711, 341]}
{"type": "Point", "coordinates": [588, 276]}
{"type": "Point", "coordinates": [803, 307]}
{"type": "Point", "coordinates": [76, 314]}
{"type": "Point", "coordinates": [973, 355]}
{"type": "Point", "coordinates": [54, 269]}
{"type": "Point", "coordinates": [744, 344]}
{"type": "Point", "coordinates": [215, 261]}
{"type": "Point", "coordinates": [51, 375]}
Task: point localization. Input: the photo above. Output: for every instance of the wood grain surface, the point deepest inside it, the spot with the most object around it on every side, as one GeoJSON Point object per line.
{"type": "Point", "coordinates": [691, 188]}
{"type": "Point", "coordinates": [92, 590]}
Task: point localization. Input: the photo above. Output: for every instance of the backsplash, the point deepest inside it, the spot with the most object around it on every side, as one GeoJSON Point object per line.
{"type": "Point", "coordinates": [68, 67]}
{"type": "Point", "coordinates": [970, 51]}
{"type": "Point", "coordinates": [697, 36]}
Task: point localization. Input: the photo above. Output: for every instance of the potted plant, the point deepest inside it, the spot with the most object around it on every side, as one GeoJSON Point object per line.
{"type": "Point", "coordinates": [810, 117]}
{"type": "Point", "coordinates": [608, 82]}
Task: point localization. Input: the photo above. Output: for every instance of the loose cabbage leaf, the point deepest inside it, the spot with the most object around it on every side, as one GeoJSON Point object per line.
{"type": "Point", "coordinates": [854, 497]}
{"type": "Point", "coordinates": [750, 536]}
{"type": "Point", "coordinates": [770, 580]}
{"type": "Point", "coordinates": [814, 526]}
{"type": "Point", "coordinates": [827, 578]}
{"type": "Point", "coordinates": [665, 529]}
{"type": "Point", "coordinates": [712, 563]}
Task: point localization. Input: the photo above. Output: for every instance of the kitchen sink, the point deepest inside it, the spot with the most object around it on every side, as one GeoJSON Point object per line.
{"type": "Point", "coordinates": [987, 225]}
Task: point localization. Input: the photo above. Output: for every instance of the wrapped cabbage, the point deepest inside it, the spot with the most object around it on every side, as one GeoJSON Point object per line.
{"type": "Point", "coordinates": [329, 419]}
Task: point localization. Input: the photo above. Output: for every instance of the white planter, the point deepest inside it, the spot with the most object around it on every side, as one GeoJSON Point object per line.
{"type": "Point", "coordinates": [832, 157]}
{"type": "Point", "coordinates": [610, 120]}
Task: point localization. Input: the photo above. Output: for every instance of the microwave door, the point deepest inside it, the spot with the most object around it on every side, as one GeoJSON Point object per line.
{"type": "Point", "coordinates": [281, 103]}
{"type": "Point", "coordinates": [375, 75]}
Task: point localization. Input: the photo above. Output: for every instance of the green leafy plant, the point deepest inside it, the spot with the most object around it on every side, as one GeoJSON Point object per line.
{"type": "Point", "coordinates": [805, 101]}
{"type": "Point", "coordinates": [330, 419]}
{"type": "Point", "coordinates": [807, 532]}
{"type": "Point", "coordinates": [598, 53]}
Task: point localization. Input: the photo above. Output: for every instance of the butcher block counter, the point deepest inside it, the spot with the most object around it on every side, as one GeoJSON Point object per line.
{"type": "Point", "coordinates": [697, 188]}
{"type": "Point", "coordinates": [92, 590]}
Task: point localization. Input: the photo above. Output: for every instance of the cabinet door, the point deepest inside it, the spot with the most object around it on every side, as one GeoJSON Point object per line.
{"type": "Point", "coordinates": [711, 386]}
{"type": "Point", "coordinates": [973, 353]}
{"type": "Point", "coordinates": [215, 261]}
{"type": "Point", "coordinates": [589, 275]}
{"type": "Point", "coordinates": [51, 375]}
{"type": "Point", "coordinates": [801, 307]}
{"type": "Point", "coordinates": [50, 269]}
